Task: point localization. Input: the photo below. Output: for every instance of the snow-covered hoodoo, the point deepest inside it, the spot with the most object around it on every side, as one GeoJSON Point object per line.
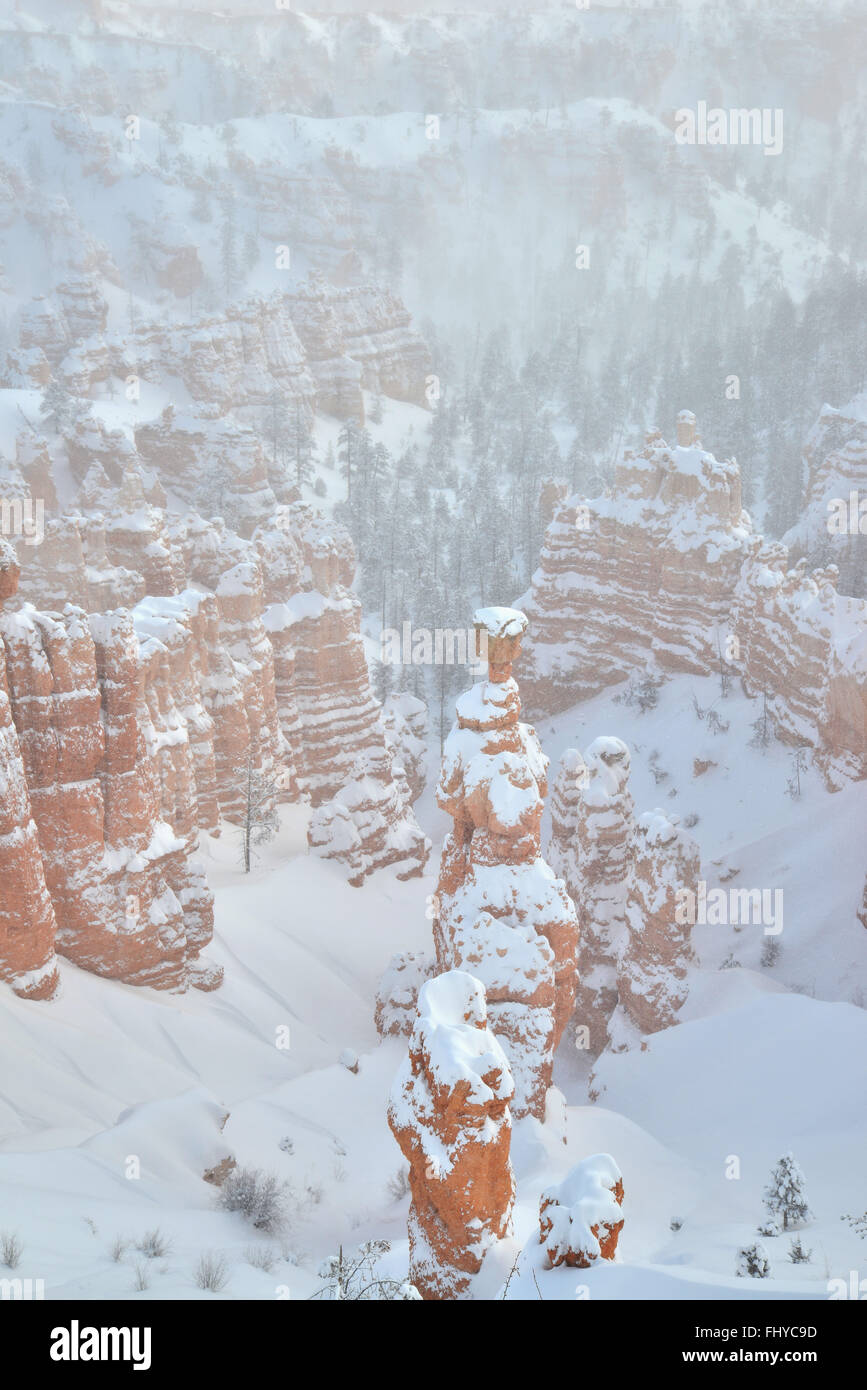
{"type": "Point", "coordinates": [656, 948]}
{"type": "Point", "coordinates": [502, 914]}
{"type": "Point", "coordinates": [449, 1112]}
{"type": "Point", "coordinates": [592, 823]}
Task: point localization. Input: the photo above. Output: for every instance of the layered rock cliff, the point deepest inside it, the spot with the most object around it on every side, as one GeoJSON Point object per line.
{"type": "Point", "coordinates": [28, 926]}
{"type": "Point", "coordinates": [664, 571]}
{"type": "Point", "coordinates": [126, 897]}
{"type": "Point", "coordinates": [253, 652]}
{"type": "Point", "coordinates": [833, 521]}
{"type": "Point", "coordinates": [802, 646]}
{"type": "Point", "coordinates": [644, 572]}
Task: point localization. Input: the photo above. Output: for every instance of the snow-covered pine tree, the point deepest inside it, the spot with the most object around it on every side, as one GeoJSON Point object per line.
{"type": "Point", "coordinates": [347, 449]}
{"type": "Point", "coordinates": [798, 1254]}
{"type": "Point", "coordinates": [785, 1197]}
{"type": "Point", "coordinates": [753, 1261]}
{"type": "Point", "coordinates": [301, 447]}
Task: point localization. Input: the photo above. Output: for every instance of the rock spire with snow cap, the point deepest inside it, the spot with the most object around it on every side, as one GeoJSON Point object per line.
{"type": "Point", "coordinates": [449, 1112]}
{"type": "Point", "coordinates": [687, 433]}
{"type": "Point", "coordinates": [501, 912]}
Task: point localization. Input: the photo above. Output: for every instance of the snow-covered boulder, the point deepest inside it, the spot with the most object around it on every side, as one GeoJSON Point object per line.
{"type": "Point", "coordinates": [580, 1219]}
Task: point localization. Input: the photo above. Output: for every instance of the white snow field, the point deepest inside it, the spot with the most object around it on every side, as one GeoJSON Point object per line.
{"type": "Point", "coordinates": [765, 1059]}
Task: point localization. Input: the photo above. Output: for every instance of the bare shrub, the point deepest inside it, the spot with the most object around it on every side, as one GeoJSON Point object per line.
{"type": "Point", "coordinates": [259, 1197]}
{"type": "Point", "coordinates": [11, 1249]}
{"type": "Point", "coordinates": [212, 1272]}
{"type": "Point", "coordinates": [398, 1185]}
{"type": "Point", "coordinates": [261, 1257]}
{"type": "Point", "coordinates": [154, 1244]}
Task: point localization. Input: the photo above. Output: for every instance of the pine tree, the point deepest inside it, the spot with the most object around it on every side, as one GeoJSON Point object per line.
{"type": "Point", "coordinates": [260, 823]}
{"type": "Point", "coordinates": [59, 409]}
{"type": "Point", "coordinates": [229, 247]}
{"type": "Point", "coordinates": [301, 447]}
{"type": "Point", "coordinates": [347, 447]}
{"type": "Point", "coordinates": [57, 405]}
{"type": "Point", "coordinates": [785, 1197]}
{"type": "Point", "coordinates": [753, 1261]}
{"type": "Point", "coordinates": [251, 250]}
{"type": "Point", "coordinates": [798, 1254]}
{"type": "Point", "coordinates": [201, 208]}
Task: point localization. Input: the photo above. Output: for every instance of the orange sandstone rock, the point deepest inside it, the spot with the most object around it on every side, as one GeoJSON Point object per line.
{"type": "Point", "coordinates": [449, 1112]}
{"type": "Point", "coordinates": [502, 914]}
{"type": "Point", "coordinates": [592, 827]}
{"type": "Point", "coordinates": [652, 963]}
{"type": "Point", "coordinates": [27, 922]}
{"type": "Point", "coordinates": [580, 1218]}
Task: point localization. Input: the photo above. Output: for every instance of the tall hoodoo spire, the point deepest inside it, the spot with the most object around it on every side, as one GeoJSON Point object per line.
{"type": "Point", "coordinates": [502, 914]}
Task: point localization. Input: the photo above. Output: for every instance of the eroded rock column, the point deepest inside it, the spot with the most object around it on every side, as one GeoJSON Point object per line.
{"type": "Point", "coordinates": [502, 913]}
{"type": "Point", "coordinates": [449, 1112]}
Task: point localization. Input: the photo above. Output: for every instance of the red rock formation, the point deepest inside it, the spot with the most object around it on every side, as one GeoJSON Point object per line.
{"type": "Point", "coordinates": [449, 1112]}
{"type": "Point", "coordinates": [362, 813]}
{"type": "Point", "coordinates": [240, 599]}
{"type": "Point", "coordinates": [580, 1218]}
{"type": "Point", "coordinates": [590, 849]}
{"type": "Point", "coordinates": [804, 646]}
{"type": "Point", "coordinates": [397, 995]}
{"type": "Point", "coordinates": [645, 570]}
{"type": "Point", "coordinates": [263, 659]}
{"type": "Point", "coordinates": [652, 964]}
{"type": "Point", "coordinates": [128, 900]}
{"type": "Point", "coordinates": [404, 719]}
{"type": "Point", "coordinates": [565, 817]}
{"type": "Point", "coordinates": [175, 661]}
{"type": "Point", "coordinates": [833, 520]}
{"type": "Point", "coordinates": [34, 461]}
{"type": "Point", "coordinates": [501, 912]}
{"type": "Point", "coordinates": [56, 708]}
{"type": "Point", "coordinates": [136, 537]}
{"type": "Point", "coordinates": [27, 922]}
{"type": "Point", "coordinates": [217, 466]}
{"type": "Point", "coordinates": [53, 573]}
{"type": "Point", "coordinates": [358, 337]}
{"type": "Point", "coordinates": [666, 567]}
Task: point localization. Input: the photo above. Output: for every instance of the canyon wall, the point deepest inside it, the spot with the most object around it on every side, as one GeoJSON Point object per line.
{"type": "Point", "coordinates": [104, 880]}
{"type": "Point", "coordinates": [643, 573]}
{"type": "Point", "coordinates": [128, 731]}
{"type": "Point", "coordinates": [663, 573]}
{"type": "Point", "coordinates": [803, 647]}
